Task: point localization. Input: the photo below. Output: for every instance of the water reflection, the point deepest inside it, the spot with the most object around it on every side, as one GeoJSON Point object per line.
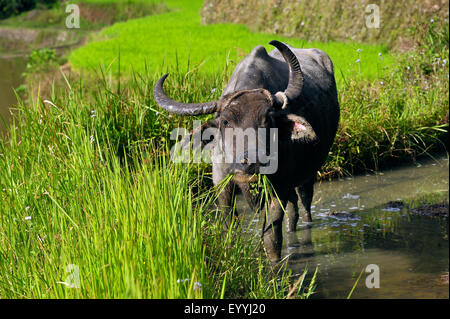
{"type": "Point", "coordinates": [408, 249]}
{"type": "Point", "coordinates": [11, 70]}
{"type": "Point", "coordinates": [353, 227]}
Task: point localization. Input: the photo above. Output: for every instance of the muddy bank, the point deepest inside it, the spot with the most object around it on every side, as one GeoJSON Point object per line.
{"type": "Point", "coordinates": [39, 28]}
{"type": "Point", "coordinates": [431, 205]}
{"type": "Point", "coordinates": [435, 210]}
{"type": "Point", "coordinates": [20, 41]}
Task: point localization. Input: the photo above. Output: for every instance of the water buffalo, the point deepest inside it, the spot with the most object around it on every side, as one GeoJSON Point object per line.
{"type": "Point", "coordinates": [290, 89]}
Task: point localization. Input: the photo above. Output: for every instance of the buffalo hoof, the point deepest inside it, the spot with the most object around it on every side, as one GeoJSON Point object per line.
{"type": "Point", "coordinates": [273, 255]}
{"type": "Point", "coordinates": [306, 225]}
{"type": "Point", "coordinates": [273, 250]}
{"type": "Point", "coordinates": [292, 239]}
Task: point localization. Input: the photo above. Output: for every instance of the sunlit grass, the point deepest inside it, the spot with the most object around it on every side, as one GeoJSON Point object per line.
{"type": "Point", "coordinates": [173, 38]}
{"type": "Point", "coordinates": [122, 216]}
{"type": "Point", "coordinates": [131, 231]}
{"type": "Point", "coordinates": [86, 177]}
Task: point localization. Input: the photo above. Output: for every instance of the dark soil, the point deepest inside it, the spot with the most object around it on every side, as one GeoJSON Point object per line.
{"type": "Point", "coordinates": [435, 210]}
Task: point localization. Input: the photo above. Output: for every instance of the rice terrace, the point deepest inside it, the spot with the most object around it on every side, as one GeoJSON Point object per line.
{"type": "Point", "coordinates": [210, 149]}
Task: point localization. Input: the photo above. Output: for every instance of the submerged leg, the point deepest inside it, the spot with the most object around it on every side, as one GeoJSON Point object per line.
{"type": "Point", "coordinates": [306, 192]}
{"type": "Point", "coordinates": [306, 238]}
{"type": "Point", "coordinates": [292, 211]}
{"type": "Point", "coordinates": [253, 200]}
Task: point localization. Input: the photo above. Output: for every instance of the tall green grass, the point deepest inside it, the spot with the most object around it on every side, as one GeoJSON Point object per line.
{"type": "Point", "coordinates": [85, 178]}
{"type": "Point", "coordinates": [400, 116]}
{"type": "Point", "coordinates": [67, 200]}
{"type": "Point", "coordinates": [74, 197]}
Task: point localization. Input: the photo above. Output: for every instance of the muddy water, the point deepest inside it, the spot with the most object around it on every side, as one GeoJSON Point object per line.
{"type": "Point", "coordinates": [10, 78]}
{"type": "Point", "coordinates": [411, 252]}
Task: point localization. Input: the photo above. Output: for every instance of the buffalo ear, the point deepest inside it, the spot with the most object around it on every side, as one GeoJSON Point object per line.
{"type": "Point", "coordinates": [299, 129]}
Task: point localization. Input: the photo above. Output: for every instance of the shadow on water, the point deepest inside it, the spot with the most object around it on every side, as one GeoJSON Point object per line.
{"type": "Point", "coordinates": [353, 227]}
{"type": "Point", "coordinates": [11, 70]}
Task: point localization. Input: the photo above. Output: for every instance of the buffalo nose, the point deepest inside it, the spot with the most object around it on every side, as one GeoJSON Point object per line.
{"type": "Point", "coordinates": [244, 160]}
{"type": "Point", "coordinates": [243, 164]}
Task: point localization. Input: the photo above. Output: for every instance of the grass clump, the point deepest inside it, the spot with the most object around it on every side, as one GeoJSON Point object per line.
{"type": "Point", "coordinates": [67, 200]}
{"type": "Point", "coordinates": [401, 115]}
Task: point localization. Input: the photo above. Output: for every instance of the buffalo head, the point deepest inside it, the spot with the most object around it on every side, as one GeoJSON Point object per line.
{"type": "Point", "coordinates": [256, 110]}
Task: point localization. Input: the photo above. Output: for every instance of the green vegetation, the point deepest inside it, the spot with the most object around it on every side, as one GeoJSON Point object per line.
{"type": "Point", "coordinates": [94, 14]}
{"type": "Point", "coordinates": [430, 199]}
{"type": "Point", "coordinates": [164, 40]}
{"type": "Point", "coordinates": [13, 7]}
{"type": "Point", "coordinates": [334, 20]}
{"type": "Point", "coordinates": [401, 115]}
{"type": "Point", "coordinates": [133, 225]}
{"type": "Point", "coordinates": [41, 60]}
{"type": "Point", "coordinates": [41, 28]}
{"type": "Point", "coordinates": [86, 177]}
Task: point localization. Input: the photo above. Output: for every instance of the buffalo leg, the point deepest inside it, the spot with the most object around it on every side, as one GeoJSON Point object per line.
{"type": "Point", "coordinates": [292, 211]}
{"type": "Point", "coordinates": [306, 192]}
{"type": "Point", "coordinates": [253, 201]}
{"type": "Point", "coordinates": [226, 201]}
{"type": "Point", "coordinates": [272, 233]}
{"type": "Point", "coordinates": [306, 238]}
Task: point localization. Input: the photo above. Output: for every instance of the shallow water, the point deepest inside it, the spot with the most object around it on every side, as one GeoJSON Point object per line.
{"type": "Point", "coordinates": [411, 252]}
{"type": "Point", "coordinates": [10, 78]}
